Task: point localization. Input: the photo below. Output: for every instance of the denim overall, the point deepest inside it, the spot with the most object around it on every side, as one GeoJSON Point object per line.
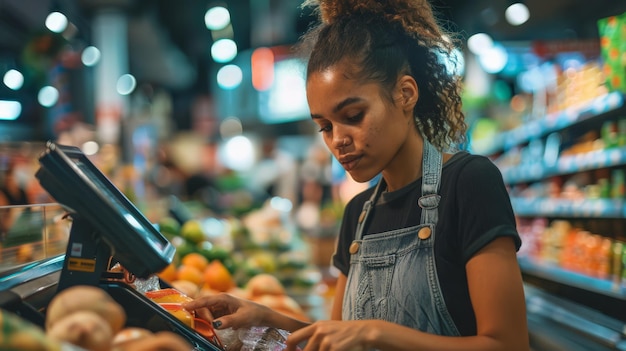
{"type": "Point", "coordinates": [392, 274]}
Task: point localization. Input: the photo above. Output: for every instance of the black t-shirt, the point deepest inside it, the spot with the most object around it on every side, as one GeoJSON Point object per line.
{"type": "Point", "coordinates": [474, 210]}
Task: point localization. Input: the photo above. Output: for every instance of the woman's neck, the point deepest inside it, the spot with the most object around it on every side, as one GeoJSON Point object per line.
{"type": "Point", "coordinates": [406, 166]}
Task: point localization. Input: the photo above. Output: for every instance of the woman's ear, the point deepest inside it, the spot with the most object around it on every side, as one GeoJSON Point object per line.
{"type": "Point", "coordinates": [409, 92]}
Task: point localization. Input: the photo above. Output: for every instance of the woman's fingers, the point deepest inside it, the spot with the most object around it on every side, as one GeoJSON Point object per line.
{"type": "Point", "coordinates": [207, 301]}
{"type": "Point", "coordinates": [205, 314]}
{"type": "Point", "coordinates": [299, 336]}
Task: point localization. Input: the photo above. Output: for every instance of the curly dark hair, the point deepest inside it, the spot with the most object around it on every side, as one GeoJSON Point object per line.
{"type": "Point", "coordinates": [385, 39]}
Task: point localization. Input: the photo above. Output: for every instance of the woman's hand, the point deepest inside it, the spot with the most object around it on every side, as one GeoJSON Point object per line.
{"type": "Point", "coordinates": [333, 336]}
{"type": "Point", "coordinates": [227, 311]}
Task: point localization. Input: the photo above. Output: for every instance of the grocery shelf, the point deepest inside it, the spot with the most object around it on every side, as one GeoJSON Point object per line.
{"type": "Point", "coordinates": [546, 207]}
{"type": "Point", "coordinates": [574, 279]}
{"type": "Point", "coordinates": [565, 165]}
{"type": "Point", "coordinates": [556, 121]}
{"type": "Point", "coordinates": [556, 323]}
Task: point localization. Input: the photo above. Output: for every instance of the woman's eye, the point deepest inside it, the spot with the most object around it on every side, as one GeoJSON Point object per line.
{"type": "Point", "coordinates": [324, 128]}
{"type": "Point", "coordinates": [356, 118]}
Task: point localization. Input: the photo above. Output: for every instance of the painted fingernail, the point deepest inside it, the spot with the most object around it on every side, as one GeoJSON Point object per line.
{"type": "Point", "coordinates": [217, 324]}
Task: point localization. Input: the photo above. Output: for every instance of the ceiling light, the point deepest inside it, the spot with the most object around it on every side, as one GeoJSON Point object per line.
{"type": "Point", "coordinates": [217, 18]}
{"type": "Point", "coordinates": [126, 84]}
{"type": "Point", "coordinates": [494, 59]}
{"type": "Point", "coordinates": [229, 77]}
{"type": "Point", "coordinates": [10, 110]}
{"type": "Point", "coordinates": [13, 79]}
{"type": "Point", "coordinates": [90, 56]}
{"type": "Point", "coordinates": [517, 14]}
{"type": "Point", "coordinates": [56, 22]}
{"type": "Point", "coordinates": [48, 96]}
{"type": "Point", "coordinates": [479, 43]}
{"type": "Point", "coordinates": [224, 50]}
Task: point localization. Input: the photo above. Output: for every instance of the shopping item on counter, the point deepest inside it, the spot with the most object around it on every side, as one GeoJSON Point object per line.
{"type": "Point", "coordinates": [254, 339]}
{"type": "Point", "coordinates": [613, 49]}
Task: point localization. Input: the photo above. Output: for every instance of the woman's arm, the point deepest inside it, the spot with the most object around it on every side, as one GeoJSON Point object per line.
{"type": "Point", "coordinates": [340, 288]}
{"type": "Point", "coordinates": [497, 296]}
{"type": "Point", "coordinates": [227, 311]}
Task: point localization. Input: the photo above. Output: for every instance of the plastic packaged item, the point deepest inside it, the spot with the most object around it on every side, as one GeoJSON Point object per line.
{"type": "Point", "coordinates": [149, 284]}
{"type": "Point", "coordinates": [621, 132]}
{"type": "Point", "coordinates": [167, 295]}
{"type": "Point", "coordinates": [617, 266]}
{"type": "Point", "coordinates": [609, 134]}
{"type": "Point", "coordinates": [618, 187]}
{"type": "Point", "coordinates": [178, 311]}
{"type": "Point", "coordinates": [253, 339]}
{"type": "Point", "coordinates": [612, 47]}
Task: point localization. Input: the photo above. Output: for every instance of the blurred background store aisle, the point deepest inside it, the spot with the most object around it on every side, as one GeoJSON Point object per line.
{"type": "Point", "coordinates": [196, 110]}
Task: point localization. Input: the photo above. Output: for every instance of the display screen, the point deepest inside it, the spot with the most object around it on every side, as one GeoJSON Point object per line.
{"type": "Point", "coordinates": [121, 206]}
{"type": "Point", "coordinates": [74, 181]}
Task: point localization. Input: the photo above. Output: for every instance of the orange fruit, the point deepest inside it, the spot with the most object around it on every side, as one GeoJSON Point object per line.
{"type": "Point", "coordinates": [196, 260]}
{"type": "Point", "coordinates": [168, 273]}
{"type": "Point", "coordinates": [191, 274]}
{"type": "Point", "coordinates": [217, 276]}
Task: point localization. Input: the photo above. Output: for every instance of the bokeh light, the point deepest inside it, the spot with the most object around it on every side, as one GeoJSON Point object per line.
{"type": "Point", "coordinates": [13, 79]}
{"type": "Point", "coordinates": [56, 22]}
{"type": "Point", "coordinates": [217, 18]}
{"type": "Point", "coordinates": [229, 77]}
{"type": "Point", "coordinates": [48, 96]}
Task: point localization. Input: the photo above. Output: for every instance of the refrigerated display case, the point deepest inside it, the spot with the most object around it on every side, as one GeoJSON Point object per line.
{"type": "Point", "coordinates": [109, 244]}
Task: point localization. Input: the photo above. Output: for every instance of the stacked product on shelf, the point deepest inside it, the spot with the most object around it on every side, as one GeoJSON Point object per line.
{"type": "Point", "coordinates": [565, 171]}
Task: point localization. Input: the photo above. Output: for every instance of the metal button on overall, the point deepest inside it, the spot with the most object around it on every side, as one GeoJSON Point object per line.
{"type": "Point", "coordinates": [354, 247]}
{"type": "Point", "coordinates": [424, 233]}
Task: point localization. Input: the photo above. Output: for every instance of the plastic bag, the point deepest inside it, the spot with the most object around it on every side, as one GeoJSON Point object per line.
{"type": "Point", "coordinates": [253, 339]}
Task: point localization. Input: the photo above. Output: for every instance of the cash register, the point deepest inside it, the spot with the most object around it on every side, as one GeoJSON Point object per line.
{"type": "Point", "coordinates": [107, 229]}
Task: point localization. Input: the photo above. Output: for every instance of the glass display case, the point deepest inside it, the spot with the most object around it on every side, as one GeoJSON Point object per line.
{"type": "Point", "coordinates": [31, 233]}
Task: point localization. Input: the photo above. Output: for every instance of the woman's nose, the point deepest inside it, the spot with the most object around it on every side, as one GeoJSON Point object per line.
{"type": "Point", "coordinates": [341, 142]}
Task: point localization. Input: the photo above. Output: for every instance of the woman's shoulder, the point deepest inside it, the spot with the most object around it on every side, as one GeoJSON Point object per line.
{"type": "Point", "coordinates": [468, 164]}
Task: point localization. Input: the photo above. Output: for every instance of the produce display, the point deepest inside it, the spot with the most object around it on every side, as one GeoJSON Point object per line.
{"type": "Point", "coordinates": [258, 258]}
{"type": "Point", "coordinates": [84, 318]}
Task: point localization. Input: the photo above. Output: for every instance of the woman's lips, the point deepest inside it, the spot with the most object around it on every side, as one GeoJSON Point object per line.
{"type": "Point", "coordinates": [349, 162]}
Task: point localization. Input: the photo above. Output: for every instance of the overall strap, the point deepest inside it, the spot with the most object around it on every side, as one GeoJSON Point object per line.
{"type": "Point", "coordinates": [431, 177]}
{"type": "Point", "coordinates": [367, 207]}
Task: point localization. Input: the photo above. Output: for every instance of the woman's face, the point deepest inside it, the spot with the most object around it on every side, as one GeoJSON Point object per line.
{"type": "Point", "coordinates": [362, 129]}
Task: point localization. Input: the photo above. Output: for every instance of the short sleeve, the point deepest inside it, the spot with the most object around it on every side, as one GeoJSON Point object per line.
{"type": "Point", "coordinates": [485, 211]}
{"type": "Point", "coordinates": [341, 257]}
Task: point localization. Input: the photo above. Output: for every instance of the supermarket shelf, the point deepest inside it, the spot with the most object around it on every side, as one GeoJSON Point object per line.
{"type": "Point", "coordinates": [596, 208]}
{"type": "Point", "coordinates": [559, 324]}
{"type": "Point", "coordinates": [565, 165]}
{"type": "Point", "coordinates": [560, 275]}
{"type": "Point", "coordinates": [556, 121]}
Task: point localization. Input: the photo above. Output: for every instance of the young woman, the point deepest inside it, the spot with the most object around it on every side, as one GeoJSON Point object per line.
{"type": "Point", "coordinates": [428, 256]}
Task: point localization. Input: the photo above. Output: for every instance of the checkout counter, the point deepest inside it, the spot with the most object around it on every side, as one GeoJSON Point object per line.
{"type": "Point", "coordinates": [105, 230]}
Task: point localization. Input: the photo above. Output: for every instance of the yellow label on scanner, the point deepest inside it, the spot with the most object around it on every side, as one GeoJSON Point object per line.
{"type": "Point", "coordinates": [81, 264]}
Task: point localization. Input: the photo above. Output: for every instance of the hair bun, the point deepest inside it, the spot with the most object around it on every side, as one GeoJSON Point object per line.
{"type": "Point", "coordinates": [408, 13]}
{"type": "Point", "coordinates": [330, 10]}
